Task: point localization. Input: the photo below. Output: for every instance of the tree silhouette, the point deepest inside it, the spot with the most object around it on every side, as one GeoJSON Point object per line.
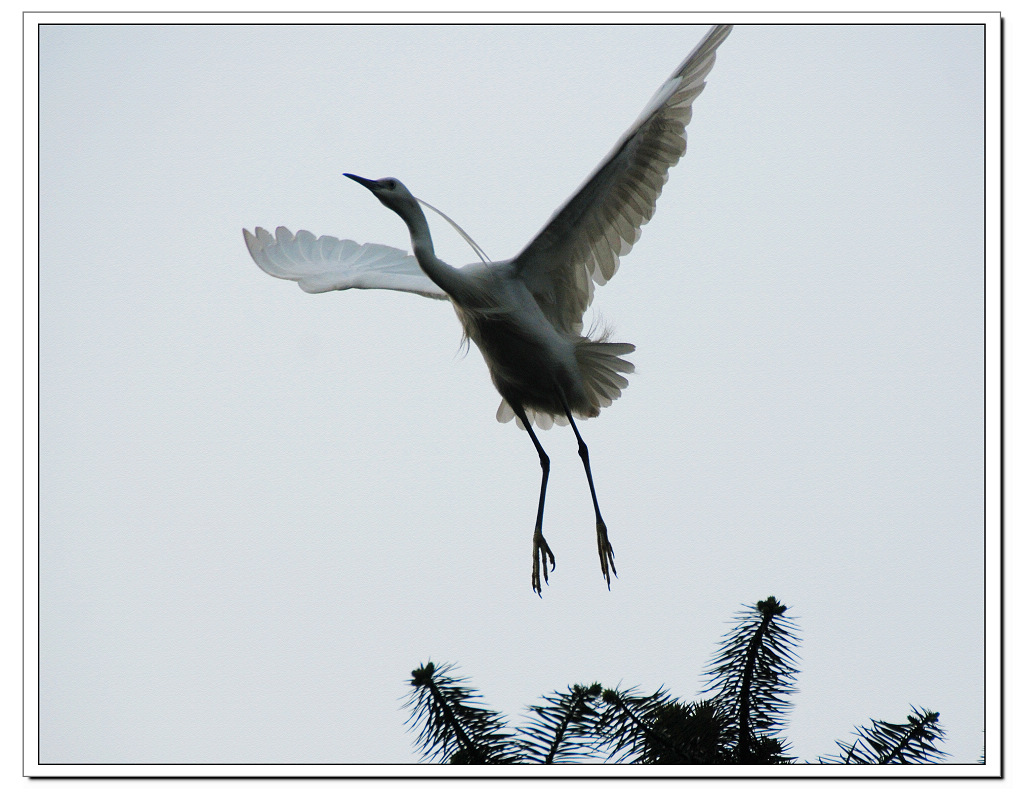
{"type": "Point", "coordinates": [749, 681]}
{"type": "Point", "coordinates": [910, 743]}
{"type": "Point", "coordinates": [453, 727]}
{"type": "Point", "coordinates": [753, 673]}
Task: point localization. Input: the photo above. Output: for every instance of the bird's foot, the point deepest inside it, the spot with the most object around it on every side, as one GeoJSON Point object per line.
{"type": "Point", "coordinates": [604, 550]}
{"type": "Point", "coordinates": [541, 554]}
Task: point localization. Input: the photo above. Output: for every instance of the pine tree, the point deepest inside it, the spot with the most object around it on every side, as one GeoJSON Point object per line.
{"type": "Point", "coordinates": [750, 679]}
{"type": "Point", "coordinates": [661, 730]}
{"type": "Point", "coordinates": [753, 674]}
{"type": "Point", "coordinates": [454, 728]}
{"type": "Point", "coordinates": [563, 727]}
{"type": "Point", "coordinates": [910, 743]}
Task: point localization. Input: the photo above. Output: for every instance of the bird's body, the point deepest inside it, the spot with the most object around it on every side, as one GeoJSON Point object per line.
{"type": "Point", "coordinates": [533, 362]}
{"type": "Point", "coordinates": [525, 314]}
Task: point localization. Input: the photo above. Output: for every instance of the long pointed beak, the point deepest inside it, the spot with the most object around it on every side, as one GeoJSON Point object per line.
{"type": "Point", "coordinates": [371, 185]}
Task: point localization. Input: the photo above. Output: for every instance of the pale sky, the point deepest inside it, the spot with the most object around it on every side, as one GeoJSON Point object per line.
{"type": "Point", "coordinates": [261, 509]}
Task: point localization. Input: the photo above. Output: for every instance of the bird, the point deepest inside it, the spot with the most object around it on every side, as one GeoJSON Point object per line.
{"type": "Point", "coordinates": [525, 314]}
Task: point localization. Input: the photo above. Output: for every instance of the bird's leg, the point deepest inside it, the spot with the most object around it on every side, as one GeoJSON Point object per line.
{"type": "Point", "coordinates": [541, 551]}
{"type": "Point", "coordinates": [604, 546]}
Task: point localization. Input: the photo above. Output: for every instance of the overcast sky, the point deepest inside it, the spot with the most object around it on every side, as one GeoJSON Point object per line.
{"type": "Point", "coordinates": [261, 509]}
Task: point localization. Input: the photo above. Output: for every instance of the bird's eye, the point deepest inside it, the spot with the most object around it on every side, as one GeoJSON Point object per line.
{"type": "Point", "coordinates": [390, 184]}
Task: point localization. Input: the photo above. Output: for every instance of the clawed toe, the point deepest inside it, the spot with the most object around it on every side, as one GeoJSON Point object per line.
{"type": "Point", "coordinates": [604, 550]}
{"type": "Point", "coordinates": [541, 554]}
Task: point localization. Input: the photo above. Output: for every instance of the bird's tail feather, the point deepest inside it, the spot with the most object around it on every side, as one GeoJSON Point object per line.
{"type": "Point", "coordinates": [604, 372]}
{"type": "Point", "coordinates": [604, 378]}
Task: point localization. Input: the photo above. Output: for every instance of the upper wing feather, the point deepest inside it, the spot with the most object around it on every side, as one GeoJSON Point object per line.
{"type": "Point", "coordinates": [584, 239]}
{"type": "Point", "coordinates": [328, 263]}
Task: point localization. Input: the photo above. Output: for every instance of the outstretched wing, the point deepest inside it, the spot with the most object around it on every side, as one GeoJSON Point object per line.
{"type": "Point", "coordinates": [584, 239]}
{"type": "Point", "coordinates": [327, 263]}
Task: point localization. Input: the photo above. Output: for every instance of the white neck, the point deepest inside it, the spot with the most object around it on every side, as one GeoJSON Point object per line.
{"type": "Point", "coordinates": [441, 273]}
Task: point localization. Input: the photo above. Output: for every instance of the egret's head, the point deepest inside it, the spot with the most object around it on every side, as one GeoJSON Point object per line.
{"type": "Point", "coordinates": [389, 191]}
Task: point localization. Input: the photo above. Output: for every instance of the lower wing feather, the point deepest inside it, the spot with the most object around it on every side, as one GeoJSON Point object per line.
{"type": "Point", "coordinates": [327, 264]}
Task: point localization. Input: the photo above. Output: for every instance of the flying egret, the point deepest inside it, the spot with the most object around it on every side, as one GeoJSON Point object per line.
{"type": "Point", "coordinates": [526, 314]}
